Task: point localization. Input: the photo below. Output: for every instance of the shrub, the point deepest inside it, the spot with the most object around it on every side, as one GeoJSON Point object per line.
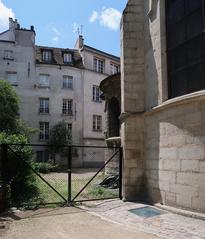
{"type": "Point", "coordinates": [46, 167]}
{"type": "Point", "coordinates": [59, 135]}
{"type": "Point", "coordinates": [9, 107]}
{"type": "Point", "coordinates": [18, 176]}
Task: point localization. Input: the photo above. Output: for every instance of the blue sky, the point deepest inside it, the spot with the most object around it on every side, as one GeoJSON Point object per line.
{"type": "Point", "coordinates": [56, 22]}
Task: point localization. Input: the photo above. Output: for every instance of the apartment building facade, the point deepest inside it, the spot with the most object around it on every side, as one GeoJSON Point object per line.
{"type": "Point", "coordinates": [56, 84]}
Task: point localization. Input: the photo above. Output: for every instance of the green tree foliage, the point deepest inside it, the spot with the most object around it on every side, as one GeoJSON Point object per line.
{"type": "Point", "coordinates": [9, 107]}
{"type": "Point", "coordinates": [59, 135]}
{"type": "Point", "coordinates": [18, 177]}
{"type": "Point", "coordinates": [9, 112]}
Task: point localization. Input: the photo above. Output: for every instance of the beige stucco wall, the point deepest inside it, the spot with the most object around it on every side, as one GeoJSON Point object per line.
{"type": "Point", "coordinates": [88, 56]}
{"type": "Point", "coordinates": [28, 74]}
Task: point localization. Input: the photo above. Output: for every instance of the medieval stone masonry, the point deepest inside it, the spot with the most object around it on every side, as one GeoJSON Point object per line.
{"type": "Point", "coordinates": [163, 102]}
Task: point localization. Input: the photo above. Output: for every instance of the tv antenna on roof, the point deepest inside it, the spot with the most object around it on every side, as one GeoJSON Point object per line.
{"type": "Point", "coordinates": [80, 30]}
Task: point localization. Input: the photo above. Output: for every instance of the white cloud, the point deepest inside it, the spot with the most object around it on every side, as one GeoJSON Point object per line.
{"type": "Point", "coordinates": [108, 17]}
{"type": "Point", "coordinates": [5, 13]}
{"type": "Point", "coordinates": [93, 17]}
{"type": "Point", "coordinates": [55, 39]}
{"type": "Point", "coordinates": [56, 31]}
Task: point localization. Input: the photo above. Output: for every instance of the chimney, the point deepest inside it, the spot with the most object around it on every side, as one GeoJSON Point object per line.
{"type": "Point", "coordinates": [13, 24]}
{"type": "Point", "coordinates": [80, 42]}
{"type": "Point", "coordinates": [32, 28]}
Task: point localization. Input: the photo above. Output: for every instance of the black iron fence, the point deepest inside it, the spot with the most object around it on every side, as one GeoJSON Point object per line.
{"type": "Point", "coordinates": [33, 175]}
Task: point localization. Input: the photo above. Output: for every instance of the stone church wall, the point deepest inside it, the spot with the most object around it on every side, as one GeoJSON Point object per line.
{"type": "Point", "coordinates": [175, 153]}
{"type": "Point", "coordinates": [163, 140]}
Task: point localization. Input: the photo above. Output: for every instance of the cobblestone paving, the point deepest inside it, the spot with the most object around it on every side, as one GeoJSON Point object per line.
{"type": "Point", "coordinates": [167, 225]}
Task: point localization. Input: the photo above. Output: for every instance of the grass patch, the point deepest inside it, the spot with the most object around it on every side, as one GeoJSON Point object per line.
{"type": "Point", "coordinates": [92, 191]}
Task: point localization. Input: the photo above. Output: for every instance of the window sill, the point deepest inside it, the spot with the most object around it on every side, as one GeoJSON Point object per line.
{"type": "Point", "coordinates": [8, 59]}
{"type": "Point", "coordinates": [71, 115]}
{"type": "Point", "coordinates": [14, 84]}
{"type": "Point", "coordinates": [68, 62]}
{"type": "Point", "coordinates": [97, 131]}
{"type": "Point", "coordinates": [43, 87]}
{"type": "Point", "coordinates": [99, 72]}
{"type": "Point", "coordinates": [42, 113]}
{"type": "Point", "coordinates": [43, 140]}
{"type": "Point", "coordinates": [66, 88]}
{"type": "Point", "coordinates": [97, 101]}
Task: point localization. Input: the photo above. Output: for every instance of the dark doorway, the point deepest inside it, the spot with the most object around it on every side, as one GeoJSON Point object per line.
{"type": "Point", "coordinates": [114, 113]}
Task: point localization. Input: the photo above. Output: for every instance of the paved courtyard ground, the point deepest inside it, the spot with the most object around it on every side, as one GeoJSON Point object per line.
{"type": "Point", "coordinates": [168, 225]}
{"type": "Point", "coordinates": [108, 220]}
{"type": "Point", "coordinates": [68, 223]}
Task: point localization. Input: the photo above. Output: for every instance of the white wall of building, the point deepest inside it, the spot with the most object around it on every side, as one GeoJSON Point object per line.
{"type": "Point", "coordinates": [22, 43]}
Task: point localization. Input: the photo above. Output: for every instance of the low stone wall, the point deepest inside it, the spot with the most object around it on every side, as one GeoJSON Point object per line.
{"type": "Point", "coordinates": [112, 168]}
{"type": "Point", "coordinates": [175, 153]}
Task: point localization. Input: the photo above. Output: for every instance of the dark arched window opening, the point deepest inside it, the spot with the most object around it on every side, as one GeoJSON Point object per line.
{"type": "Point", "coordinates": [185, 46]}
{"type": "Point", "coordinates": [113, 115]}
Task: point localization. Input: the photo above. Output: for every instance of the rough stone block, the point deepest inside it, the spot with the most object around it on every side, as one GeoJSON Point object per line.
{"type": "Point", "coordinates": [167, 176]}
{"type": "Point", "coordinates": [193, 119]}
{"type": "Point", "coordinates": [152, 164]}
{"type": "Point", "coordinates": [170, 198]}
{"type": "Point", "coordinates": [163, 185]}
{"type": "Point", "coordinates": [152, 174]}
{"type": "Point", "coordinates": [157, 195]}
{"type": "Point", "coordinates": [188, 178]}
{"type": "Point", "coordinates": [198, 204]}
{"type": "Point", "coordinates": [184, 200]}
{"type": "Point", "coordinates": [202, 166]}
{"type": "Point", "coordinates": [191, 152]}
{"type": "Point", "coordinates": [190, 165]}
{"type": "Point", "coordinates": [173, 165]}
{"type": "Point", "coordinates": [184, 189]}
{"type": "Point", "coordinates": [168, 153]}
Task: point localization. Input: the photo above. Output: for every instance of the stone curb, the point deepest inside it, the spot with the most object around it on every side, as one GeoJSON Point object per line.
{"type": "Point", "coordinates": [182, 212]}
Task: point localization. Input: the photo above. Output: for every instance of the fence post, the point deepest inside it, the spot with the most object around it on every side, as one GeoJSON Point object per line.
{"type": "Point", "coordinates": [120, 173]}
{"type": "Point", "coordinates": [69, 164]}
{"type": "Point", "coordinates": [3, 159]}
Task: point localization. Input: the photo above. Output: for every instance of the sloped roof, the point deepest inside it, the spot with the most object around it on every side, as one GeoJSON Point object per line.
{"type": "Point", "coordinates": [57, 54]}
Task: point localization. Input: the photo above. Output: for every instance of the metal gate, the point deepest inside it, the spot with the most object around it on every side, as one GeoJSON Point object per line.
{"type": "Point", "coordinates": [80, 173]}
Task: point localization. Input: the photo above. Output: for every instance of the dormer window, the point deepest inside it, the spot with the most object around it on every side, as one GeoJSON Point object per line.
{"type": "Point", "coordinates": [67, 57]}
{"type": "Point", "coordinates": [47, 55]}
